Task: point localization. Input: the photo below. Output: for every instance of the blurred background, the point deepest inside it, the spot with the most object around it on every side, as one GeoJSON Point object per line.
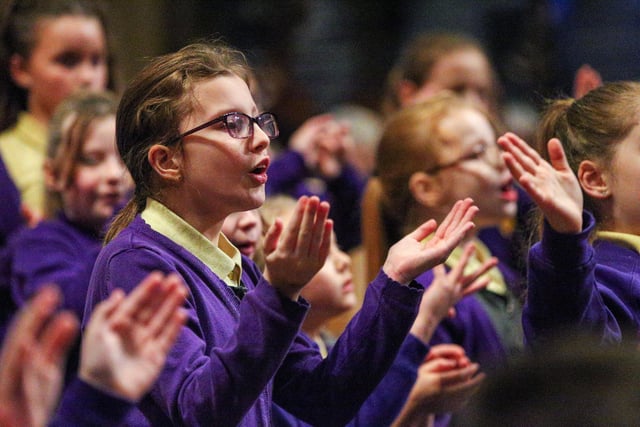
{"type": "Point", "coordinates": [316, 54]}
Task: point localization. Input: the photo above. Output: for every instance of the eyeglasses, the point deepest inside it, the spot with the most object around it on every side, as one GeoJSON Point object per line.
{"type": "Point", "coordinates": [240, 125]}
{"type": "Point", "coordinates": [478, 151]}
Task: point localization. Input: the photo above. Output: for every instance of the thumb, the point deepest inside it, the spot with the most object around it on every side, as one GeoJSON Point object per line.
{"type": "Point", "coordinates": [557, 157]}
{"type": "Point", "coordinates": [272, 236]}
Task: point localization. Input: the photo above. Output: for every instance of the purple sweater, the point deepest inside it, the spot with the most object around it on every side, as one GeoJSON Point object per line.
{"type": "Point", "coordinates": [55, 251]}
{"type": "Point", "coordinates": [386, 401]}
{"type": "Point", "coordinates": [573, 284]}
{"type": "Point", "coordinates": [289, 175]}
{"type": "Point", "coordinates": [235, 358]}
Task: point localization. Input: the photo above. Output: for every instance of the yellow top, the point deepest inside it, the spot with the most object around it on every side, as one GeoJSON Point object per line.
{"type": "Point", "coordinates": [24, 149]}
{"type": "Point", "coordinates": [629, 240]}
{"type": "Point", "coordinates": [224, 259]}
{"type": "Point", "coordinates": [480, 255]}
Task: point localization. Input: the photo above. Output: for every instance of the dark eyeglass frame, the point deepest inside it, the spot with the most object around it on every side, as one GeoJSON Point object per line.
{"type": "Point", "coordinates": [477, 152]}
{"type": "Point", "coordinates": [261, 118]}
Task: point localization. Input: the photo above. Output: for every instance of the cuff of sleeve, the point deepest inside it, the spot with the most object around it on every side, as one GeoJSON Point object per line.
{"type": "Point", "coordinates": [412, 352]}
{"type": "Point", "coordinates": [83, 404]}
{"type": "Point", "coordinates": [268, 296]}
{"type": "Point", "coordinates": [568, 249]}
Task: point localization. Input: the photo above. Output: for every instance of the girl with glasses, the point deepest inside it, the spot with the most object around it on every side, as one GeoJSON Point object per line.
{"type": "Point", "coordinates": [241, 350]}
{"type": "Point", "coordinates": [430, 154]}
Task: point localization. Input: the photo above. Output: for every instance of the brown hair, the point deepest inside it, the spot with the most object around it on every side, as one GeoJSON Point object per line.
{"type": "Point", "coordinates": [590, 127]}
{"type": "Point", "coordinates": [18, 36]}
{"type": "Point", "coordinates": [68, 131]}
{"type": "Point", "coordinates": [411, 142]}
{"type": "Point", "coordinates": [417, 60]}
{"type": "Point", "coordinates": [154, 104]}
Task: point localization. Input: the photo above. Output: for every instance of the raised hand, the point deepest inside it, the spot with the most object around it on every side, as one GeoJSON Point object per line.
{"type": "Point", "coordinates": [412, 255]}
{"type": "Point", "coordinates": [127, 338]}
{"type": "Point", "coordinates": [446, 289]}
{"type": "Point", "coordinates": [552, 186]}
{"type": "Point", "coordinates": [446, 380]}
{"type": "Point", "coordinates": [295, 253]}
{"type": "Point", "coordinates": [32, 360]}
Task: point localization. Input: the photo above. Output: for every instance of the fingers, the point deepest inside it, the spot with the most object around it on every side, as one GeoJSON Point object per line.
{"type": "Point", "coordinates": [171, 297]}
{"type": "Point", "coordinates": [449, 351]}
{"type": "Point", "coordinates": [424, 230]}
{"type": "Point", "coordinates": [58, 337]}
{"type": "Point", "coordinates": [272, 236]}
{"type": "Point", "coordinates": [556, 155]}
{"type": "Point", "coordinates": [24, 332]}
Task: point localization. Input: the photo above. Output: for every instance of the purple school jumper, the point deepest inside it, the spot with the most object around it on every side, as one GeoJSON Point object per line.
{"type": "Point", "coordinates": [84, 406]}
{"type": "Point", "coordinates": [573, 284]}
{"type": "Point", "coordinates": [385, 403]}
{"type": "Point", "coordinates": [289, 175]}
{"type": "Point", "coordinates": [55, 251]}
{"type": "Point", "coordinates": [235, 358]}
{"type": "Point", "coordinates": [10, 221]}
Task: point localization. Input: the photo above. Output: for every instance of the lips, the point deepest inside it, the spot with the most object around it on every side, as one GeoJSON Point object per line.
{"type": "Point", "coordinates": [260, 170]}
{"type": "Point", "coordinates": [508, 192]}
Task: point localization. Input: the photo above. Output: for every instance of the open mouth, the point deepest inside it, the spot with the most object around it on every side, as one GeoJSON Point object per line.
{"type": "Point", "coordinates": [509, 192]}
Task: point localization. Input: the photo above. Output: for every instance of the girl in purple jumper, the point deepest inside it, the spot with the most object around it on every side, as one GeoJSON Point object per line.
{"type": "Point", "coordinates": [86, 183]}
{"type": "Point", "coordinates": [583, 274]}
{"type": "Point", "coordinates": [196, 145]}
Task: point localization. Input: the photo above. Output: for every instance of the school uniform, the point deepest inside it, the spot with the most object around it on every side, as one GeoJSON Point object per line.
{"type": "Point", "coordinates": [288, 174]}
{"type": "Point", "coordinates": [385, 403]}
{"type": "Point", "coordinates": [83, 405]}
{"type": "Point", "coordinates": [55, 251]}
{"type": "Point", "coordinates": [23, 148]}
{"type": "Point", "coordinates": [235, 357]}
{"type": "Point", "coordinates": [589, 287]}
{"type": "Point", "coordinates": [10, 222]}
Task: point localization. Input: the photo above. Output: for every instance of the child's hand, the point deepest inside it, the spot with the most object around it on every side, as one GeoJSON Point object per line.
{"type": "Point", "coordinates": [446, 380]}
{"type": "Point", "coordinates": [32, 361]}
{"type": "Point", "coordinates": [412, 256]}
{"type": "Point", "coordinates": [127, 339]}
{"type": "Point", "coordinates": [553, 187]}
{"type": "Point", "coordinates": [295, 257]}
{"type": "Point", "coordinates": [446, 290]}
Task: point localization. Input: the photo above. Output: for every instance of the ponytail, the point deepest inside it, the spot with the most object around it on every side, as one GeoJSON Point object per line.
{"type": "Point", "coordinates": [125, 216]}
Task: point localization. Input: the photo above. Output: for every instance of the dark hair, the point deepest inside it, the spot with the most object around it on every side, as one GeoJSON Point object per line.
{"type": "Point", "coordinates": [154, 104]}
{"type": "Point", "coordinates": [17, 30]}
{"type": "Point", "coordinates": [68, 130]}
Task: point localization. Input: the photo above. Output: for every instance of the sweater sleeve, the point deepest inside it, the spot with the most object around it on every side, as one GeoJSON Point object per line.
{"type": "Point", "coordinates": [563, 292]}
{"type": "Point", "coordinates": [208, 379]}
{"type": "Point", "coordinates": [84, 405]}
{"type": "Point", "coordinates": [388, 398]}
{"type": "Point", "coordinates": [330, 391]}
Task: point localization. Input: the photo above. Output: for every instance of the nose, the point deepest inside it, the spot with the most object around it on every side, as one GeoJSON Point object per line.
{"type": "Point", "coordinates": [342, 260]}
{"type": "Point", "coordinates": [248, 219]}
{"type": "Point", "coordinates": [260, 140]}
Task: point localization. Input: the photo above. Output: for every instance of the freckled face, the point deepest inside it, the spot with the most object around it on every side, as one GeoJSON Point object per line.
{"type": "Point", "coordinates": [70, 52]}
{"type": "Point", "coordinates": [222, 174]}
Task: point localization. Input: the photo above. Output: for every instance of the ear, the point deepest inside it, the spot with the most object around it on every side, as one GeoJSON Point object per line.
{"type": "Point", "coordinates": [166, 161]}
{"type": "Point", "coordinates": [51, 180]}
{"type": "Point", "coordinates": [593, 179]}
{"type": "Point", "coordinates": [406, 90]}
{"type": "Point", "coordinates": [425, 189]}
{"type": "Point", "coordinates": [19, 72]}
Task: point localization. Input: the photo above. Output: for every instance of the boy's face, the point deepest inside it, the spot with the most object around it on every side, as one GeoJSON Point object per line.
{"type": "Point", "coordinates": [221, 174]}
{"type": "Point", "coordinates": [331, 291]}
